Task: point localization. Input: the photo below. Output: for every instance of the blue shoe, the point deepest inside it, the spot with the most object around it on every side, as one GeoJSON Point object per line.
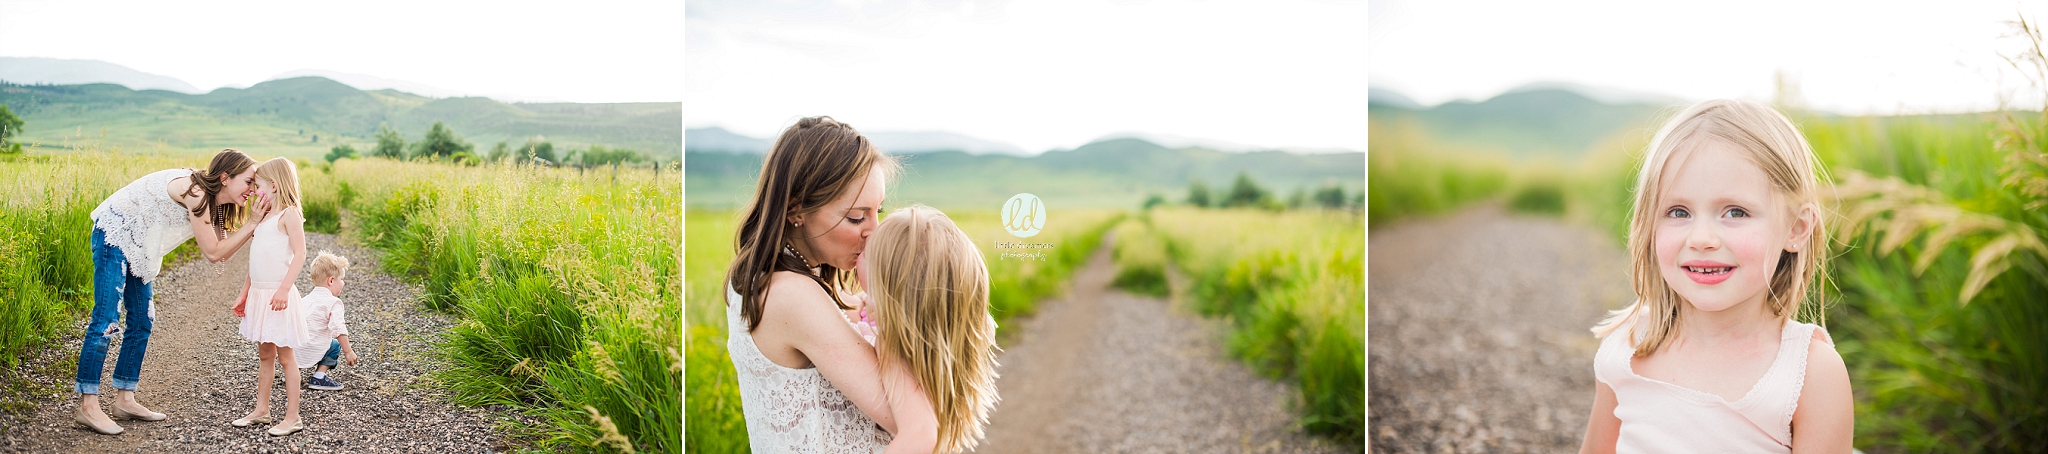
{"type": "Point", "coordinates": [323, 384]}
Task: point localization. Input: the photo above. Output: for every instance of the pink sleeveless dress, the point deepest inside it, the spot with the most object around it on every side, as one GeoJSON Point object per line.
{"type": "Point", "coordinates": [1662, 417]}
{"type": "Point", "coordinates": [270, 254]}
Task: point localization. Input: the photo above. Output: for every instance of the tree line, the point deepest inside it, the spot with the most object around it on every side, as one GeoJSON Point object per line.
{"type": "Point", "coordinates": [441, 143]}
{"type": "Point", "coordinates": [1245, 192]}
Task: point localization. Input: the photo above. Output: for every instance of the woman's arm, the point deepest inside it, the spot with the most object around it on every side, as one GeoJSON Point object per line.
{"type": "Point", "coordinates": [801, 314]}
{"type": "Point", "coordinates": [1604, 429]}
{"type": "Point", "coordinates": [1825, 421]}
{"type": "Point", "coordinates": [293, 225]}
{"type": "Point", "coordinates": [917, 425]}
{"type": "Point", "coordinates": [217, 249]}
{"type": "Point", "coordinates": [242, 301]}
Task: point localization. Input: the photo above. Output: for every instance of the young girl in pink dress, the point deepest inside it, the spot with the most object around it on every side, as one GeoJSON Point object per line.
{"type": "Point", "coordinates": [1726, 240]}
{"type": "Point", "coordinates": [269, 305]}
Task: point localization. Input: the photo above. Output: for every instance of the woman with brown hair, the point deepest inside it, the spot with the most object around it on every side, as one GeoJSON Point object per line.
{"type": "Point", "coordinates": [808, 381]}
{"type": "Point", "coordinates": [133, 230]}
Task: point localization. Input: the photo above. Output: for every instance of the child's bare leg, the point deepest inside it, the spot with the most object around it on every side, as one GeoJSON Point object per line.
{"type": "Point", "coordinates": [266, 355]}
{"type": "Point", "coordinates": [291, 388]}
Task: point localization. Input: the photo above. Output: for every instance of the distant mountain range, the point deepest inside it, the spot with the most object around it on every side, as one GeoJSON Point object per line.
{"type": "Point", "coordinates": [1115, 173]}
{"type": "Point", "coordinates": [1537, 119]}
{"type": "Point", "coordinates": [891, 142]}
{"type": "Point", "coordinates": [716, 139]}
{"type": "Point", "coordinates": [304, 116]}
{"type": "Point", "coordinates": [54, 71]}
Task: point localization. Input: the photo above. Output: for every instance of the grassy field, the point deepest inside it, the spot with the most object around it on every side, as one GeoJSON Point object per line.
{"type": "Point", "coordinates": [1411, 173]}
{"type": "Point", "coordinates": [567, 284]}
{"type": "Point", "coordinates": [716, 423]}
{"type": "Point", "coordinates": [1943, 278]}
{"type": "Point", "coordinates": [1296, 302]}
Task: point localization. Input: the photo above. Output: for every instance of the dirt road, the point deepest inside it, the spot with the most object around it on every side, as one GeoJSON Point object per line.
{"type": "Point", "coordinates": [1478, 331]}
{"type": "Point", "coordinates": [1105, 371]}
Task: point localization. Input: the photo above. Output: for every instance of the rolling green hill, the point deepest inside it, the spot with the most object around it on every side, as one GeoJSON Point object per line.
{"type": "Point", "coordinates": [1116, 173]}
{"type": "Point", "coordinates": [306, 116]}
{"type": "Point", "coordinates": [1535, 122]}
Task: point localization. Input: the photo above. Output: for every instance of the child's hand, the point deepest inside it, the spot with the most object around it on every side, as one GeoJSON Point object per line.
{"type": "Point", "coordinates": [859, 304]}
{"type": "Point", "coordinates": [350, 357]}
{"type": "Point", "coordinates": [280, 300]}
{"type": "Point", "coordinates": [239, 303]}
{"type": "Point", "coordinates": [866, 330]}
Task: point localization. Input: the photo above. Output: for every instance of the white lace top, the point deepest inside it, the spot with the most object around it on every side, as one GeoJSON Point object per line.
{"type": "Point", "coordinates": [1658, 416]}
{"type": "Point", "coordinates": [793, 410]}
{"type": "Point", "coordinates": [143, 221]}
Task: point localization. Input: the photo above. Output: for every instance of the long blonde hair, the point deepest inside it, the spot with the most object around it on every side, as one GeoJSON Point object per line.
{"type": "Point", "coordinates": [1771, 142]}
{"type": "Point", "coordinates": [930, 292]}
{"type": "Point", "coordinates": [283, 174]}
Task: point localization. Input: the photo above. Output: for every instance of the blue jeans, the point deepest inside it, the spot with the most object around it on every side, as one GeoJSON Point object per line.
{"type": "Point", "coordinates": [115, 290]}
{"type": "Point", "coordinates": [333, 358]}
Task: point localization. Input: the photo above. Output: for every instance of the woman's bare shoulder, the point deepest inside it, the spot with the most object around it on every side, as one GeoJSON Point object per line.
{"type": "Point", "coordinates": [792, 292]}
{"type": "Point", "coordinates": [180, 190]}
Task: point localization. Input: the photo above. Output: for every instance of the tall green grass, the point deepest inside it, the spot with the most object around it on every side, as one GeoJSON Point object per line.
{"type": "Point", "coordinates": [716, 423]}
{"type": "Point", "coordinates": [566, 284]}
{"type": "Point", "coordinates": [1140, 257]}
{"type": "Point", "coordinates": [1943, 306]}
{"type": "Point", "coordinates": [1296, 300]}
{"type": "Point", "coordinates": [1016, 286]}
{"type": "Point", "coordinates": [1410, 173]}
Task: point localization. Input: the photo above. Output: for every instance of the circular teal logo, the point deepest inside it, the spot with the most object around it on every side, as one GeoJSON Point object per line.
{"type": "Point", "coordinates": [1024, 215]}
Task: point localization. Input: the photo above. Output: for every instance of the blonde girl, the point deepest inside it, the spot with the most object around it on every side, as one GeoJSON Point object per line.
{"type": "Point", "coordinates": [1726, 243]}
{"type": "Point", "coordinates": [269, 304]}
{"type": "Point", "coordinates": [928, 294]}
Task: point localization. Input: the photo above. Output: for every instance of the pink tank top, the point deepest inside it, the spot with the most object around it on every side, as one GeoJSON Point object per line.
{"type": "Point", "coordinates": [1662, 417]}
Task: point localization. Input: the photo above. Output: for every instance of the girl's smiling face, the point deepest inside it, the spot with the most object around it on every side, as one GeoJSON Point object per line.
{"type": "Point", "coordinates": [263, 188]}
{"type": "Point", "coordinates": [1721, 228]}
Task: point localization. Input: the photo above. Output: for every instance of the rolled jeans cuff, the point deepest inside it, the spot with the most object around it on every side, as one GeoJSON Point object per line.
{"type": "Point", "coordinates": [94, 388]}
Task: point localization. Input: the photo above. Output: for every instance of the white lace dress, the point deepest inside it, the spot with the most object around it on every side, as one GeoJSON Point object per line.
{"type": "Point", "coordinates": [793, 410]}
{"type": "Point", "coordinates": [143, 222]}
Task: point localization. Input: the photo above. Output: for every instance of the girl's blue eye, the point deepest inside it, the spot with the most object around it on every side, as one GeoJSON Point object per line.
{"type": "Point", "coordinates": [1738, 213]}
{"type": "Point", "coordinates": [1678, 212]}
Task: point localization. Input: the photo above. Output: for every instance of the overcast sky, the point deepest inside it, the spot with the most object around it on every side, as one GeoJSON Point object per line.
{"type": "Point", "coordinates": [591, 51]}
{"type": "Point", "coordinates": [1037, 74]}
{"type": "Point", "coordinates": [1861, 57]}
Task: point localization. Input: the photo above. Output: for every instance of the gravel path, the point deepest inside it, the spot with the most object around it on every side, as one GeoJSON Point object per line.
{"type": "Point", "coordinates": [202, 373]}
{"type": "Point", "coordinates": [1478, 331]}
{"type": "Point", "coordinates": [1104, 371]}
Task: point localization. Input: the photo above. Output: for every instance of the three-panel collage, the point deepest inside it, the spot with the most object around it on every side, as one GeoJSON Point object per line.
{"type": "Point", "coordinates": [944, 226]}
